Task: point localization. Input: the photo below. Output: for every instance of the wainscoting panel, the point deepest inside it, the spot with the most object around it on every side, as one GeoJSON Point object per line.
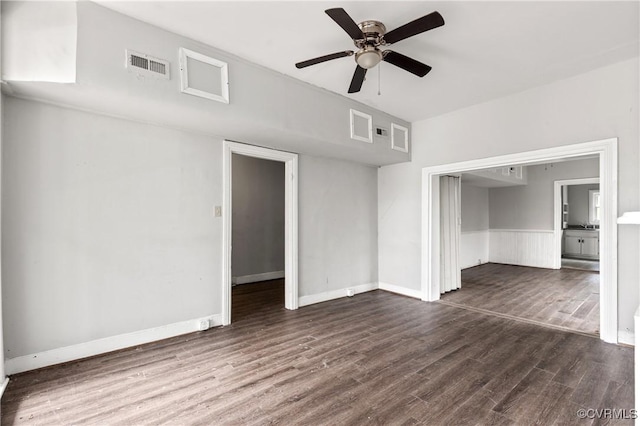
{"type": "Point", "coordinates": [521, 247]}
{"type": "Point", "coordinates": [474, 248]}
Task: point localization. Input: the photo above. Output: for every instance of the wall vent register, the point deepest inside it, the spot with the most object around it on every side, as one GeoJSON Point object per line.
{"type": "Point", "coordinates": [399, 138]}
{"type": "Point", "coordinates": [204, 76]}
{"type": "Point", "coordinates": [361, 126]}
{"type": "Point", "coordinates": [147, 65]}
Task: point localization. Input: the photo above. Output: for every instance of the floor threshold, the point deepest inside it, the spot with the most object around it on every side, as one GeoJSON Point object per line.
{"type": "Point", "coordinates": [520, 319]}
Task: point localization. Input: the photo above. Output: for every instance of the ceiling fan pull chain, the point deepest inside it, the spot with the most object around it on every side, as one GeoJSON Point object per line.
{"type": "Point", "coordinates": [379, 68]}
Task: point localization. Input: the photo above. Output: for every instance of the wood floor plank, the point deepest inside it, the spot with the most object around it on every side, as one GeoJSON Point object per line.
{"type": "Point", "coordinates": [618, 398]}
{"type": "Point", "coordinates": [473, 411]}
{"type": "Point", "coordinates": [550, 403]}
{"type": "Point", "coordinates": [592, 387]}
{"type": "Point", "coordinates": [512, 373]}
{"type": "Point", "coordinates": [520, 402]}
{"type": "Point", "coordinates": [375, 358]}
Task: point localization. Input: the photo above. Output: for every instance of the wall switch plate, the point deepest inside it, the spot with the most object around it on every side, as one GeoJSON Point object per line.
{"type": "Point", "coordinates": [217, 211]}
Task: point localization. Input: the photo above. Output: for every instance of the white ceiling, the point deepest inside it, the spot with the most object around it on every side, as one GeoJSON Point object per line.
{"type": "Point", "coordinates": [484, 51]}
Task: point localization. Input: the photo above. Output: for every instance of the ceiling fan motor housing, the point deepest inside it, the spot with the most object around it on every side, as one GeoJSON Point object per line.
{"type": "Point", "coordinates": [369, 55]}
{"type": "Point", "coordinates": [372, 28]}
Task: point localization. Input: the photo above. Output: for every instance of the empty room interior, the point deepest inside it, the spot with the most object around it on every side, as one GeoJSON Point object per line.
{"type": "Point", "coordinates": [506, 264]}
{"type": "Point", "coordinates": [319, 213]}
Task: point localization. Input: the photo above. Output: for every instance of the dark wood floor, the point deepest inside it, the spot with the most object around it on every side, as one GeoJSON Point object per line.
{"type": "Point", "coordinates": [251, 299]}
{"type": "Point", "coordinates": [375, 358]}
{"type": "Point", "coordinates": [566, 298]}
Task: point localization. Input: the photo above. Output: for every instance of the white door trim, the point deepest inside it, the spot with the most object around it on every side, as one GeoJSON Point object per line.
{"type": "Point", "coordinates": [607, 151]}
{"type": "Point", "coordinates": [290, 161]}
{"type": "Point", "coordinates": [557, 213]}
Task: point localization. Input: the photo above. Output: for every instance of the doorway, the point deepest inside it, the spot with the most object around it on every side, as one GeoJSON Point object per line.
{"type": "Point", "coordinates": [576, 226]}
{"type": "Point", "coordinates": [290, 184]}
{"type": "Point", "coordinates": [257, 235]}
{"type": "Point", "coordinates": [606, 152]}
{"type": "Point", "coordinates": [506, 246]}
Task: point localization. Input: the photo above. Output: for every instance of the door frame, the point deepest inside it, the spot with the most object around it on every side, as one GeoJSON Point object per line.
{"type": "Point", "coordinates": [557, 213]}
{"type": "Point", "coordinates": [290, 161]}
{"type": "Point", "coordinates": [607, 152]}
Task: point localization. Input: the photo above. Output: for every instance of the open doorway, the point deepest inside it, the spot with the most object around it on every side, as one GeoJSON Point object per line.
{"type": "Point", "coordinates": [257, 235]}
{"type": "Point", "coordinates": [577, 205]}
{"type": "Point", "coordinates": [505, 243]}
{"type": "Point", "coordinates": [543, 243]}
{"type": "Point", "coordinates": [264, 250]}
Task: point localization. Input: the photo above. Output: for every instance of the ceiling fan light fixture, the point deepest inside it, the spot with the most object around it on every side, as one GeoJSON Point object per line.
{"type": "Point", "coordinates": [369, 37]}
{"type": "Point", "coordinates": [368, 58]}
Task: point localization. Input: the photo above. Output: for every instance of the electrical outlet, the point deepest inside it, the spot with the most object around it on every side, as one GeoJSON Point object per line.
{"type": "Point", "coordinates": [217, 211]}
{"type": "Point", "coordinates": [203, 324]}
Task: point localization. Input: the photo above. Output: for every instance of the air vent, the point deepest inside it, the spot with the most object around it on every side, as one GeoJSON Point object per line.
{"type": "Point", "coordinates": [146, 65]}
{"type": "Point", "coordinates": [139, 62]}
{"type": "Point", "coordinates": [157, 67]}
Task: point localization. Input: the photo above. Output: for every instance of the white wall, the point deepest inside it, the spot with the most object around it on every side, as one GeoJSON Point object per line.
{"type": "Point", "coordinates": [514, 224]}
{"type": "Point", "coordinates": [521, 217]}
{"type": "Point", "coordinates": [474, 236]}
{"type": "Point", "coordinates": [599, 104]}
{"type": "Point", "coordinates": [531, 206]}
{"type": "Point", "coordinates": [258, 218]}
{"type": "Point", "coordinates": [338, 225]}
{"type": "Point", "coordinates": [39, 42]}
{"type": "Point", "coordinates": [110, 221]}
{"type": "Point", "coordinates": [108, 226]}
{"type": "Point", "coordinates": [267, 107]}
{"type": "Point", "coordinates": [474, 208]}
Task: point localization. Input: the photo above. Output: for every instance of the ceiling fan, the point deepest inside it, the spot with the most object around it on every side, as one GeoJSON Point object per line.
{"type": "Point", "coordinates": [369, 37]}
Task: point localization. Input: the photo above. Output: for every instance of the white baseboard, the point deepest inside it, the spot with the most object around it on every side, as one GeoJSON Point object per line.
{"type": "Point", "coordinates": [416, 294]}
{"type": "Point", "coordinates": [626, 337]}
{"type": "Point", "coordinates": [266, 276]}
{"type": "Point", "coordinates": [335, 294]}
{"type": "Point", "coordinates": [3, 386]}
{"type": "Point", "coordinates": [107, 344]}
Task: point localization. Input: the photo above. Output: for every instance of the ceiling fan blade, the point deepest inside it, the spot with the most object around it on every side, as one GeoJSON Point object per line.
{"type": "Point", "coordinates": [420, 25]}
{"type": "Point", "coordinates": [343, 19]}
{"type": "Point", "coordinates": [406, 63]}
{"type": "Point", "coordinates": [324, 58]}
{"type": "Point", "coordinates": [357, 80]}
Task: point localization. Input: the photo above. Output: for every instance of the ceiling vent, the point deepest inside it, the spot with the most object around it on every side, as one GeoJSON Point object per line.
{"type": "Point", "coordinates": [147, 65]}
